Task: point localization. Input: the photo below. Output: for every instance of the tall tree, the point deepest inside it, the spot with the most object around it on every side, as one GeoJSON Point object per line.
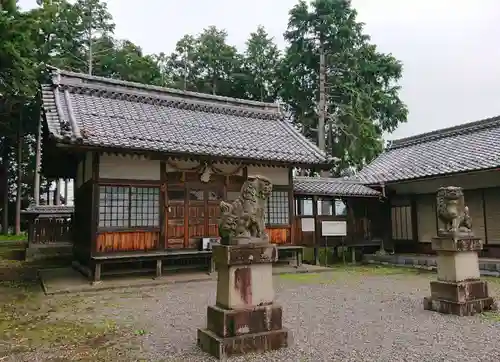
{"type": "Point", "coordinates": [18, 75]}
{"type": "Point", "coordinates": [216, 61]}
{"type": "Point", "coordinates": [361, 92]}
{"type": "Point", "coordinates": [124, 60]}
{"type": "Point", "coordinates": [205, 63]}
{"type": "Point", "coordinates": [261, 62]}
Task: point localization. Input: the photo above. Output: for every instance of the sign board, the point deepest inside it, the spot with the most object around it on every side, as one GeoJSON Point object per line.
{"type": "Point", "coordinates": [307, 224]}
{"type": "Point", "coordinates": [333, 228]}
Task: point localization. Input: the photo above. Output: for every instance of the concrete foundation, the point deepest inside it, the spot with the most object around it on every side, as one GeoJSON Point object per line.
{"type": "Point", "coordinates": [458, 289]}
{"type": "Point", "coordinates": [245, 318]}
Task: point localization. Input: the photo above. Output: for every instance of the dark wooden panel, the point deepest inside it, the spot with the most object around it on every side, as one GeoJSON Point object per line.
{"type": "Point", "coordinates": [127, 241]}
{"type": "Point", "coordinates": [301, 237]}
{"type": "Point", "coordinates": [175, 225]}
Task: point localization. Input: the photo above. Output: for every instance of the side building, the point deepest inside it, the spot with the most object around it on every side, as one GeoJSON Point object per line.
{"type": "Point", "coordinates": [412, 169]}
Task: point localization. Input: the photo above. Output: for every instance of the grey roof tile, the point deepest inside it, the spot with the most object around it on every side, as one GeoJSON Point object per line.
{"type": "Point", "coordinates": [109, 113]}
{"type": "Point", "coordinates": [468, 147]}
{"type": "Point", "coordinates": [331, 187]}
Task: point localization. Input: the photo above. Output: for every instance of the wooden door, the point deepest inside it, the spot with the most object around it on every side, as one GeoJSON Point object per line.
{"type": "Point", "coordinates": [175, 219]}
{"type": "Point", "coordinates": [214, 198]}
{"type": "Point", "coordinates": [196, 217]}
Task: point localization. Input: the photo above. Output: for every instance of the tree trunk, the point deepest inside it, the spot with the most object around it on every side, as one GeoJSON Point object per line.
{"type": "Point", "coordinates": [5, 186]}
{"type": "Point", "coordinates": [19, 187]}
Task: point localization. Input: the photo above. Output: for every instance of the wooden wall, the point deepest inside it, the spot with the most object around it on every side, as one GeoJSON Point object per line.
{"type": "Point", "coordinates": [189, 208]}
{"type": "Point", "coordinates": [483, 203]}
{"type": "Point", "coordinates": [362, 219]}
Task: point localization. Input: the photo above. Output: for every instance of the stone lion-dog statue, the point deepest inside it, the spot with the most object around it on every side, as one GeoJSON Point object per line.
{"type": "Point", "coordinates": [453, 212]}
{"type": "Point", "coordinates": [242, 221]}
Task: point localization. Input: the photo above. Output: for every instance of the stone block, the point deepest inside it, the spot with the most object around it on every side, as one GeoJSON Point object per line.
{"type": "Point", "coordinates": [258, 253]}
{"type": "Point", "coordinates": [231, 323]}
{"type": "Point", "coordinates": [447, 243]}
{"type": "Point", "coordinates": [457, 266]}
{"type": "Point", "coordinates": [468, 308]}
{"type": "Point", "coordinates": [223, 348]}
{"type": "Point", "coordinates": [460, 292]}
{"type": "Point", "coordinates": [244, 286]}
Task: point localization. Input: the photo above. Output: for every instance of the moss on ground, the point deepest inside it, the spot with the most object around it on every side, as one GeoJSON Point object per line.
{"type": "Point", "coordinates": [36, 327]}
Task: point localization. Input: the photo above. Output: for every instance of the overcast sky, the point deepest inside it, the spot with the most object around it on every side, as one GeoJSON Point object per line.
{"type": "Point", "coordinates": [449, 48]}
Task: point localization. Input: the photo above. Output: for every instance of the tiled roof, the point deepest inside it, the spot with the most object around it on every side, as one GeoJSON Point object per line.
{"type": "Point", "coordinates": [331, 187]}
{"type": "Point", "coordinates": [469, 147]}
{"type": "Point", "coordinates": [108, 113]}
{"type": "Point", "coordinates": [49, 209]}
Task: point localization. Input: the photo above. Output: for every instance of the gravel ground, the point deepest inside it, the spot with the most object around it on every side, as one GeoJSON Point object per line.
{"type": "Point", "coordinates": [334, 316]}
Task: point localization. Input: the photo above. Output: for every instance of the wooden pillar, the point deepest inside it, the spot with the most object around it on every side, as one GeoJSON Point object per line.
{"type": "Point", "coordinates": [317, 226]}
{"type": "Point", "coordinates": [163, 206]}
{"type": "Point", "coordinates": [95, 201]}
{"type": "Point", "coordinates": [483, 199]}
{"type": "Point", "coordinates": [38, 158]}
{"type": "Point", "coordinates": [66, 196]}
{"type": "Point", "coordinates": [414, 218]}
{"type": "Point", "coordinates": [291, 208]}
{"type": "Point", "coordinates": [49, 184]}
{"type": "Point", "coordinates": [57, 192]}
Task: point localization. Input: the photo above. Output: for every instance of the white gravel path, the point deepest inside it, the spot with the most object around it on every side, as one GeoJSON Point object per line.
{"type": "Point", "coordinates": [333, 317]}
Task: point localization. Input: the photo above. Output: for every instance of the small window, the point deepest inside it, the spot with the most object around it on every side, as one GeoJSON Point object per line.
{"type": "Point", "coordinates": [196, 195]}
{"type": "Point", "coordinates": [305, 206]}
{"type": "Point", "coordinates": [340, 208]}
{"type": "Point", "coordinates": [325, 207]}
{"type": "Point", "coordinates": [175, 195]}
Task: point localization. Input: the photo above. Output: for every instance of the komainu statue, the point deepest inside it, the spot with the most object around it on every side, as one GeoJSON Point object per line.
{"type": "Point", "coordinates": [453, 212]}
{"type": "Point", "coordinates": [242, 221]}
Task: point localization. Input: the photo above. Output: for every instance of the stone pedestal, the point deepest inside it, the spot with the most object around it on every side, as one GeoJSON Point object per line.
{"type": "Point", "coordinates": [458, 289]}
{"type": "Point", "coordinates": [245, 318]}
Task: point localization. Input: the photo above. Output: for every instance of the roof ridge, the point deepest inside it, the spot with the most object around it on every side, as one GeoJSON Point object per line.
{"type": "Point", "coordinates": [56, 72]}
{"type": "Point", "coordinates": [465, 128]}
{"type": "Point", "coordinates": [327, 179]}
{"type": "Point", "coordinates": [168, 99]}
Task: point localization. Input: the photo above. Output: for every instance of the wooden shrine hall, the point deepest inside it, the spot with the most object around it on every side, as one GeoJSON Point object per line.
{"type": "Point", "coordinates": [150, 165]}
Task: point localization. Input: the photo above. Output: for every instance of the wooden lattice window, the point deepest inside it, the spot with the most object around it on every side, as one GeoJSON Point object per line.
{"type": "Point", "coordinates": [278, 208]}
{"type": "Point", "coordinates": [129, 207]}
{"type": "Point", "coordinates": [401, 223]}
{"type": "Point", "coordinates": [144, 206]}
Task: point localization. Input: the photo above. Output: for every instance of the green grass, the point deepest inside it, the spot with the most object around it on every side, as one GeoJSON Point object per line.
{"type": "Point", "coordinates": [30, 321]}
{"type": "Point", "coordinates": [341, 272]}
{"type": "Point", "coordinates": [492, 316]}
{"type": "Point", "coordinates": [301, 277]}
{"type": "Point", "coordinates": [21, 237]}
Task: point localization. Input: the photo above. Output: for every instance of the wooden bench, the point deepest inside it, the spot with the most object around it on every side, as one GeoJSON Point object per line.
{"type": "Point", "coordinates": [360, 245]}
{"type": "Point", "coordinates": [296, 250]}
{"type": "Point", "coordinates": [155, 255]}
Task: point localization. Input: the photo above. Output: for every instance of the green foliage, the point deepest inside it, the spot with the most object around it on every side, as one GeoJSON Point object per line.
{"type": "Point", "coordinates": [362, 91]}
{"type": "Point", "coordinates": [362, 95]}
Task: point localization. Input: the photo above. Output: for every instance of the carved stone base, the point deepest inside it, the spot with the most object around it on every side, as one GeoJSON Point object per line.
{"type": "Point", "coordinates": [223, 348]}
{"type": "Point", "coordinates": [232, 332]}
{"type": "Point", "coordinates": [464, 298]}
{"type": "Point", "coordinates": [460, 309]}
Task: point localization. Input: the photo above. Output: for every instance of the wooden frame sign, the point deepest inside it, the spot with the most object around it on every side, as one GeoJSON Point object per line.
{"type": "Point", "coordinates": [334, 228]}
{"type": "Point", "coordinates": [307, 224]}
